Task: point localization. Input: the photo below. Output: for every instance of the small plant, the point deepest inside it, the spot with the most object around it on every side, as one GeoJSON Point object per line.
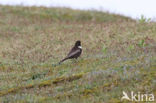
{"type": "Point", "coordinates": [88, 86]}
{"type": "Point", "coordinates": [141, 43]}
{"type": "Point", "coordinates": [143, 19]}
{"type": "Point", "coordinates": [104, 49]}
{"type": "Point", "coordinates": [62, 72]}
{"type": "Point", "coordinates": [130, 48]}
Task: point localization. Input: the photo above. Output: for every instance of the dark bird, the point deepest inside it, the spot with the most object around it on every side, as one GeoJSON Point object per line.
{"type": "Point", "coordinates": [74, 53]}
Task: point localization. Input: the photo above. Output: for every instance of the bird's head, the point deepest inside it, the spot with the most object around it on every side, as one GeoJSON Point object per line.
{"type": "Point", "coordinates": [78, 44]}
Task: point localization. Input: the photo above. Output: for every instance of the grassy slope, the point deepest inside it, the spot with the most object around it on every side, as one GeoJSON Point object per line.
{"type": "Point", "coordinates": [118, 54]}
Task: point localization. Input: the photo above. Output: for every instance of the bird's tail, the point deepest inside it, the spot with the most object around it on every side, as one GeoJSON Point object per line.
{"type": "Point", "coordinates": [63, 60]}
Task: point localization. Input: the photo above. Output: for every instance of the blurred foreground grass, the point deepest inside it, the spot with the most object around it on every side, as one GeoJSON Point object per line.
{"type": "Point", "coordinates": [119, 54]}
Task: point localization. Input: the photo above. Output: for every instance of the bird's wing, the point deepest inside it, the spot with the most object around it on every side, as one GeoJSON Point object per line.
{"type": "Point", "coordinates": [73, 53]}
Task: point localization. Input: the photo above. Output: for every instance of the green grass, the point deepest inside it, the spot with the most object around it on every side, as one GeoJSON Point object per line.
{"type": "Point", "coordinates": [119, 54]}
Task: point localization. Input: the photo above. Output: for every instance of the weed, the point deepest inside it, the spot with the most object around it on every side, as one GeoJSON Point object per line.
{"type": "Point", "coordinates": [143, 20]}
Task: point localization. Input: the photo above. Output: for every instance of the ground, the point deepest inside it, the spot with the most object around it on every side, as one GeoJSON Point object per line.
{"type": "Point", "coordinates": [119, 54]}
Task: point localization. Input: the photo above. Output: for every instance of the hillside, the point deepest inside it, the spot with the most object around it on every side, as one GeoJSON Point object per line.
{"type": "Point", "coordinates": [119, 54]}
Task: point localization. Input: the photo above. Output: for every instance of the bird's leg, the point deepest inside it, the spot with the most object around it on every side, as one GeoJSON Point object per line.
{"type": "Point", "coordinates": [74, 60]}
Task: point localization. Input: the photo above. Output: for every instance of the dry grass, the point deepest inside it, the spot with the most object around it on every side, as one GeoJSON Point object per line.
{"type": "Point", "coordinates": [118, 54]}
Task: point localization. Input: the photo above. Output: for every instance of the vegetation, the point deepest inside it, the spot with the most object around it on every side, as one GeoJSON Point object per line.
{"type": "Point", "coordinates": [119, 54]}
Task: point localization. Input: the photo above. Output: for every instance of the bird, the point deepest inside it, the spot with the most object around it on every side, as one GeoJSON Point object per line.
{"type": "Point", "coordinates": [74, 53]}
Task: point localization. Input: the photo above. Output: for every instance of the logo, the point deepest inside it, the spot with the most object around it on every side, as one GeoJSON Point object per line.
{"type": "Point", "coordinates": [137, 97]}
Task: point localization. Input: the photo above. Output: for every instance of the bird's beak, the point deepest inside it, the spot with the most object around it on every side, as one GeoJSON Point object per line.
{"type": "Point", "coordinates": [80, 47]}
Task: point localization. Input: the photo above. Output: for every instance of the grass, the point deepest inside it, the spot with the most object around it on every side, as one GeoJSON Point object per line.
{"type": "Point", "coordinates": [119, 54]}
